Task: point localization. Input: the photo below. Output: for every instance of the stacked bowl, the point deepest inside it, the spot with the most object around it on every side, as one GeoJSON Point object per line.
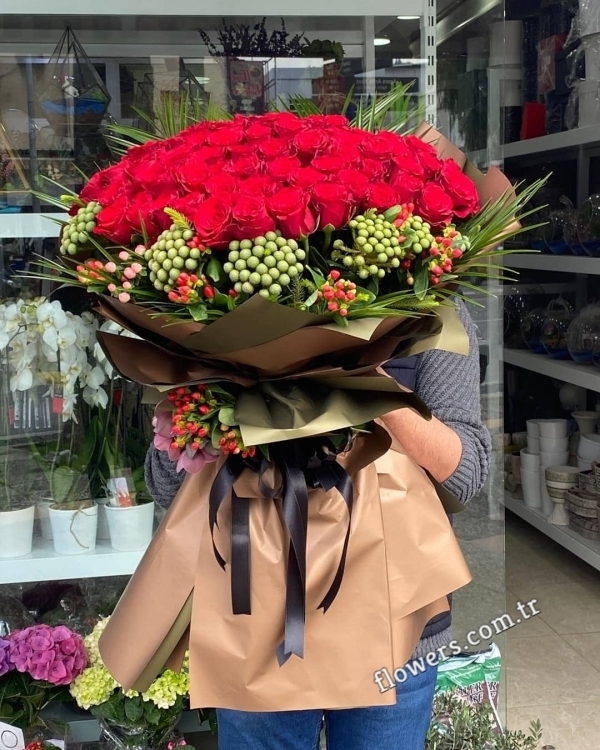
{"type": "Point", "coordinates": [547, 446]}
{"type": "Point", "coordinates": [559, 481]}
{"type": "Point", "coordinates": [588, 451]}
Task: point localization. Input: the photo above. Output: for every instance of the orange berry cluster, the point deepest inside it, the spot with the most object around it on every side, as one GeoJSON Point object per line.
{"type": "Point", "coordinates": [191, 289]}
{"type": "Point", "coordinates": [338, 294]}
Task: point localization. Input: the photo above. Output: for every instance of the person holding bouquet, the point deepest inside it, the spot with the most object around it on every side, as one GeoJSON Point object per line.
{"type": "Point", "coordinates": [454, 447]}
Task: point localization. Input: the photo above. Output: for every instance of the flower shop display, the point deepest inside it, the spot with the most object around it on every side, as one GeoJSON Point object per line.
{"type": "Point", "coordinates": [269, 265]}
{"type": "Point", "coordinates": [131, 720]}
{"type": "Point", "coordinates": [36, 666]}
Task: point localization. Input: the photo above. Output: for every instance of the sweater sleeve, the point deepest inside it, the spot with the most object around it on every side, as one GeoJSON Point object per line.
{"type": "Point", "coordinates": [449, 384]}
{"type": "Point", "coordinates": [162, 479]}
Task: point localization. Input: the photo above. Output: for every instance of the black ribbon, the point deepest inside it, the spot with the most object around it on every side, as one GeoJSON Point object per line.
{"type": "Point", "coordinates": [303, 464]}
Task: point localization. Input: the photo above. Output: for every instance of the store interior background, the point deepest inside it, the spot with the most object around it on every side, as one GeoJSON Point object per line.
{"type": "Point", "coordinates": [551, 663]}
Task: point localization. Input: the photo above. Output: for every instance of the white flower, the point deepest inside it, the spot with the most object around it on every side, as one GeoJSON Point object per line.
{"type": "Point", "coordinates": [95, 397]}
{"type": "Point", "coordinates": [51, 314]}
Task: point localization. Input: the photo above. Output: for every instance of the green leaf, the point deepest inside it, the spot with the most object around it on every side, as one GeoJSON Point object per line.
{"type": "Point", "coordinates": [214, 269]}
{"type": "Point", "coordinates": [198, 311]}
{"type": "Point", "coordinates": [312, 299]}
{"type": "Point", "coordinates": [227, 416]}
{"type": "Point", "coordinates": [61, 482]}
{"type": "Point", "coordinates": [317, 277]}
{"type": "Point", "coordinates": [133, 709]}
{"type": "Point", "coordinates": [216, 435]}
{"type": "Point", "coordinates": [421, 286]}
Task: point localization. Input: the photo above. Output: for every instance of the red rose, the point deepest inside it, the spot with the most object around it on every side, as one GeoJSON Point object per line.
{"type": "Point", "coordinates": [241, 149]}
{"type": "Point", "coordinates": [226, 135]}
{"type": "Point", "coordinates": [380, 195]}
{"type": "Point", "coordinates": [221, 182]}
{"type": "Point", "coordinates": [328, 121]}
{"type": "Point", "coordinates": [251, 216]}
{"type": "Point", "coordinates": [281, 168]}
{"type": "Point", "coordinates": [407, 187]}
{"type": "Point", "coordinates": [213, 219]}
{"type": "Point", "coordinates": [328, 164]}
{"type": "Point", "coordinates": [407, 165]}
{"type": "Point", "coordinates": [333, 204]}
{"type": "Point", "coordinates": [273, 148]}
{"type": "Point", "coordinates": [192, 175]}
{"type": "Point", "coordinates": [256, 131]}
{"type": "Point", "coordinates": [425, 154]}
{"type": "Point", "coordinates": [374, 170]}
{"type": "Point", "coordinates": [311, 143]}
{"type": "Point", "coordinates": [354, 181]}
{"type": "Point", "coordinates": [146, 214]}
{"type": "Point", "coordinates": [290, 207]}
{"type": "Point", "coordinates": [112, 222]}
{"type": "Point", "coordinates": [377, 148]}
{"type": "Point", "coordinates": [258, 184]}
{"type": "Point", "coordinates": [105, 185]}
{"type": "Point", "coordinates": [305, 177]}
{"type": "Point", "coordinates": [243, 166]}
{"type": "Point", "coordinates": [460, 188]}
{"type": "Point", "coordinates": [434, 205]}
{"type": "Point", "coordinates": [152, 175]}
{"type": "Point", "coordinates": [286, 124]}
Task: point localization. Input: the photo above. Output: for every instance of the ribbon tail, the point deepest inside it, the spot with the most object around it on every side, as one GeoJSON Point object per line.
{"type": "Point", "coordinates": [221, 487]}
{"type": "Point", "coordinates": [240, 555]}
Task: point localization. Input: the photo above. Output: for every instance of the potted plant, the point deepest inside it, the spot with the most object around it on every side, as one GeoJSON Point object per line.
{"type": "Point", "coordinates": [130, 720]}
{"type": "Point", "coordinates": [36, 666]}
{"type": "Point", "coordinates": [17, 512]}
{"type": "Point", "coordinates": [459, 726]}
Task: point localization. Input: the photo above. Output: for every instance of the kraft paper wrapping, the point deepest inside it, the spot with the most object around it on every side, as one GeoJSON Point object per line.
{"type": "Point", "coordinates": [403, 560]}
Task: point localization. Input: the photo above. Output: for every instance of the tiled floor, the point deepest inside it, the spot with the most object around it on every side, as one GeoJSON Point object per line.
{"type": "Point", "coordinates": [553, 659]}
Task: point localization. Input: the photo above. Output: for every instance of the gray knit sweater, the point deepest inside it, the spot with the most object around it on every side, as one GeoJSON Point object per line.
{"type": "Point", "coordinates": [449, 385]}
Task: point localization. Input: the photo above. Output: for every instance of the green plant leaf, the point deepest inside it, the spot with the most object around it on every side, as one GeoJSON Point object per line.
{"type": "Point", "coordinates": [227, 416]}
{"type": "Point", "coordinates": [62, 481]}
{"type": "Point", "coordinates": [421, 286]}
{"type": "Point", "coordinates": [134, 709]}
{"type": "Point", "coordinates": [198, 311]}
{"type": "Point", "coordinates": [214, 270]}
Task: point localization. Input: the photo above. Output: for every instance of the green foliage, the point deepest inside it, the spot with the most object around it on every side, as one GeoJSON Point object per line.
{"type": "Point", "coordinates": [456, 726]}
{"type": "Point", "coordinates": [22, 698]}
{"type": "Point", "coordinates": [121, 711]}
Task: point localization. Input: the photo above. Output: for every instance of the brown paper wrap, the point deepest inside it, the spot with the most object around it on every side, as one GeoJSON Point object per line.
{"type": "Point", "coordinates": [403, 560]}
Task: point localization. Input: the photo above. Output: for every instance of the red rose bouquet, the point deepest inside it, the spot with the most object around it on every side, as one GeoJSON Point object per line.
{"type": "Point", "coordinates": [268, 266]}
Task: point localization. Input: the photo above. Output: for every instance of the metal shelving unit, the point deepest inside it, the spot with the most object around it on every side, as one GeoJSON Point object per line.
{"type": "Point", "coordinates": [584, 548]}
{"type": "Point", "coordinates": [576, 264]}
{"type": "Point", "coordinates": [43, 564]}
{"type": "Point", "coordinates": [584, 376]}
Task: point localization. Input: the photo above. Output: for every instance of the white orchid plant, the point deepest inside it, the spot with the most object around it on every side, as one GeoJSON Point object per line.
{"type": "Point", "coordinates": [57, 380]}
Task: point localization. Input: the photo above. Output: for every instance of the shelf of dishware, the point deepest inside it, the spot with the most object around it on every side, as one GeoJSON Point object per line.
{"type": "Point", "coordinates": [585, 549]}
{"type": "Point", "coordinates": [568, 139]}
{"type": "Point", "coordinates": [584, 376]}
{"type": "Point", "coordinates": [43, 564]}
{"type": "Point", "coordinates": [26, 225]}
{"type": "Point", "coordinates": [583, 264]}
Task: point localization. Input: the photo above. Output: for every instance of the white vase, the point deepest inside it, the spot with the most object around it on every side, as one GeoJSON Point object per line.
{"type": "Point", "coordinates": [130, 528]}
{"type": "Point", "coordinates": [74, 531]}
{"type": "Point", "coordinates": [559, 516]}
{"type": "Point", "coordinates": [103, 532]}
{"type": "Point", "coordinates": [42, 512]}
{"type": "Point", "coordinates": [16, 532]}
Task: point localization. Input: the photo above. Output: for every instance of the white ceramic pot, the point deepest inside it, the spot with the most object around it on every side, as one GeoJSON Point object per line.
{"type": "Point", "coordinates": [43, 515]}
{"type": "Point", "coordinates": [553, 428]}
{"type": "Point", "coordinates": [530, 461]}
{"type": "Point", "coordinates": [547, 501]}
{"type": "Point", "coordinates": [583, 464]}
{"type": "Point", "coordinates": [586, 421]}
{"type": "Point", "coordinates": [554, 445]}
{"type": "Point", "coordinates": [559, 515]}
{"type": "Point", "coordinates": [530, 481]}
{"type": "Point", "coordinates": [533, 445]}
{"type": "Point", "coordinates": [589, 447]}
{"type": "Point", "coordinates": [533, 428]}
{"type": "Point", "coordinates": [554, 459]}
{"type": "Point", "coordinates": [130, 528]}
{"type": "Point", "coordinates": [16, 532]}
{"type": "Point", "coordinates": [74, 531]}
{"type": "Point", "coordinates": [103, 532]}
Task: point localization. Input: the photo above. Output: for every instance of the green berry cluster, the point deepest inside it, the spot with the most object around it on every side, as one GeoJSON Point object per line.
{"type": "Point", "coordinates": [267, 263]}
{"type": "Point", "coordinates": [77, 230]}
{"type": "Point", "coordinates": [170, 255]}
{"type": "Point", "coordinates": [377, 246]}
{"type": "Point", "coordinates": [416, 235]}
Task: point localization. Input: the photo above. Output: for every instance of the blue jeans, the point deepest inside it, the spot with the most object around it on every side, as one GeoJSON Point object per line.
{"type": "Point", "coordinates": [400, 727]}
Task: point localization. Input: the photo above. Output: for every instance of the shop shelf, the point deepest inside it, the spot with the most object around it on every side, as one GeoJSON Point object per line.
{"type": "Point", "coordinates": [569, 139]}
{"type": "Point", "coordinates": [558, 263]}
{"type": "Point", "coordinates": [43, 564]}
{"type": "Point", "coordinates": [29, 225]}
{"type": "Point", "coordinates": [584, 376]}
{"type": "Point", "coordinates": [585, 549]}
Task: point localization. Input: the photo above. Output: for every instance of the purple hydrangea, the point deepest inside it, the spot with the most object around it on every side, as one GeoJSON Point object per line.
{"type": "Point", "coordinates": [55, 655]}
{"type": "Point", "coordinates": [5, 663]}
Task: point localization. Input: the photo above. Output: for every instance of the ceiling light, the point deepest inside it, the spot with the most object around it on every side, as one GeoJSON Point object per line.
{"type": "Point", "coordinates": [408, 18]}
{"type": "Point", "coordinates": [381, 41]}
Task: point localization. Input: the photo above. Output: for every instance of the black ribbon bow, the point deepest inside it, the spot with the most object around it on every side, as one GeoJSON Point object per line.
{"type": "Point", "coordinates": [303, 464]}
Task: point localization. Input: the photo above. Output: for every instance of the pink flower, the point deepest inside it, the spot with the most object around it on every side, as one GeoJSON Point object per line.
{"type": "Point", "coordinates": [189, 461]}
{"type": "Point", "coordinates": [112, 288]}
{"type": "Point", "coordinates": [124, 297]}
{"type": "Point", "coordinates": [124, 255]}
{"type": "Point", "coordinates": [140, 250]}
{"type": "Point", "coordinates": [136, 267]}
{"type": "Point", "coordinates": [54, 655]}
{"type": "Point", "coordinates": [129, 273]}
{"type": "Point", "coordinates": [111, 267]}
{"type": "Point", "coordinates": [127, 285]}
